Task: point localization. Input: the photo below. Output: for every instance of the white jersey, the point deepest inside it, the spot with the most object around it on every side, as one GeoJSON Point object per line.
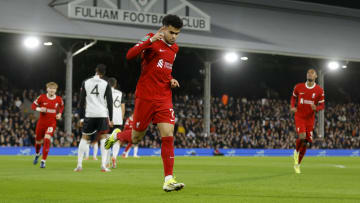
{"type": "Point", "coordinates": [117, 111]}
{"type": "Point", "coordinates": [96, 98]}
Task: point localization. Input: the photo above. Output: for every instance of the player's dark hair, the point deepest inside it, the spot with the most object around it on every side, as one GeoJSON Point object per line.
{"type": "Point", "coordinates": [112, 82]}
{"type": "Point", "coordinates": [172, 20]}
{"type": "Point", "coordinates": [100, 69]}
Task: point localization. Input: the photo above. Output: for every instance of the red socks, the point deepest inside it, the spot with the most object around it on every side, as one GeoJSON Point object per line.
{"type": "Point", "coordinates": [124, 136]}
{"type": "Point", "coordinates": [46, 148]}
{"type": "Point", "coordinates": [302, 152]}
{"type": "Point", "coordinates": [37, 148]}
{"type": "Point", "coordinates": [167, 154]}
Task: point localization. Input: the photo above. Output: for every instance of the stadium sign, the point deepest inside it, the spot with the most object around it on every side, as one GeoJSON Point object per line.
{"type": "Point", "coordinates": [138, 12]}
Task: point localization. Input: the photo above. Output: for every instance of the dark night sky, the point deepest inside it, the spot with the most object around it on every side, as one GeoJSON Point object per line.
{"type": "Point", "coordinates": [32, 69]}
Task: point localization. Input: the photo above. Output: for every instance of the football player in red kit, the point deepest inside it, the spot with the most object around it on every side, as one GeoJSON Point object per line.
{"type": "Point", "coordinates": [50, 107]}
{"type": "Point", "coordinates": [307, 99]}
{"type": "Point", "coordinates": [153, 96]}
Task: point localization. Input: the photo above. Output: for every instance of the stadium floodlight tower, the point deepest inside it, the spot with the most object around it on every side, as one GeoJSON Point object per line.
{"type": "Point", "coordinates": [230, 58]}
{"type": "Point", "coordinates": [34, 42]}
{"type": "Point", "coordinates": [331, 66]}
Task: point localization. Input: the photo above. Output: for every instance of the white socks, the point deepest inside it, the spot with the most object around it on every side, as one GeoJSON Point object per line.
{"type": "Point", "coordinates": [168, 177]}
{"type": "Point", "coordinates": [136, 148]}
{"type": "Point", "coordinates": [96, 149]}
{"type": "Point", "coordinates": [115, 149]}
{"type": "Point", "coordinates": [87, 152]}
{"type": "Point", "coordinates": [83, 146]}
{"type": "Point", "coordinates": [104, 153]}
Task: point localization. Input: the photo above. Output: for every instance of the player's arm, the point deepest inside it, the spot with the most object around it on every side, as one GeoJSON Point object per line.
{"type": "Point", "coordinates": [109, 101]}
{"type": "Point", "coordinates": [139, 47]}
{"type": "Point", "coordinates": [61, 109]}
{"type": "Point", "coordinates": [145, 43]}
{"type": "Point", "coordinates": [36, 105]}
{"type": "Point", "coordinates": [293, 100]}
{"type": "Point", "coordinates": [123, 106]}
{"type": "Point", "coordinates": [321, 102]}
{"type": "Point", "coordinates": [82, 102]}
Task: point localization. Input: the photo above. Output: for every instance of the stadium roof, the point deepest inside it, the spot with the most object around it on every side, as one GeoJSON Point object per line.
{"type": "Point", "coordinates": [278, 26]}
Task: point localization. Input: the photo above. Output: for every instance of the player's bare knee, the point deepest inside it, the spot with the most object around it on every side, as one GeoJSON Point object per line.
{"type": "Point", "coordinates": [38, 141]}
{"type": "Point", "coordinates": [47, 136]}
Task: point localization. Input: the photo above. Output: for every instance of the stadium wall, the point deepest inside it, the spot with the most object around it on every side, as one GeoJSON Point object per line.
{"type": "Point", "coordinates": [72, 151]}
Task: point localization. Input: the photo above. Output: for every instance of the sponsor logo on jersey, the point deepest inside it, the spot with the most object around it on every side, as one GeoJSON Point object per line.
{"type": "Point", "coordinates": [168, 65]}
{"type": "Point", "coordinates": [51, 110]}
{"type": "Point", "coordinates": [308, 102]}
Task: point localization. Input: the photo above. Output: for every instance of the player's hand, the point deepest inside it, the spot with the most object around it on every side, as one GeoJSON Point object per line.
{"type": "Point", "coordinates": [42, 109]}
{"type": "Point", "coordinates": [313, 106]}
{"type": "Point", "coordinates": [159, 35]}
{"type": "Point", "coordinates": [111, 124]}
{"type": "Point", "coordinates": [58, 116]}
{"type": "Point", "coordinates": [293, 109]}
{"type": "Point", "coordinates": [174, 83]}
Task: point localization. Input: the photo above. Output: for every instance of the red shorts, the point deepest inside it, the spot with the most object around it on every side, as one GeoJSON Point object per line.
{"type": "Point", "coordinates": [41, 130]}
{"type": "Point", "coordinates": [147, 111]}
{"type": "Point", "coordinates": [305, 126]}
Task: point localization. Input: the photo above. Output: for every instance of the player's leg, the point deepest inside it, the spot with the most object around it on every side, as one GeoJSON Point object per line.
{"type": "Point", "coordinates": [88, 130]}
{"type": "Point", "coordinates": [103, 128]}
{"type": "Point", "coordinates": [83, 146]}
{"type": "Point", "coordinates": [307, 142]}
{"type": "Point", "coordinates": [104, 154]}
{"type": "Point", "coordinates": [96, 149]}
{"type": "Point", "coordinates": [300, 126]}
{"type": "Point", "coordinates": [87, 154]}
{"type": "Point", "coordinates": [40, 131]}
{"type": "Point", "coordinates": [127, 150]}
{"type": "Point", "coordinates": [115, 153]}
{"type": "Point", "coordinates": [46, 146]}
{"type": "Point", "coordinates": [143, 114]}
{"type": "Point", "coordinates": [136, 148]}
{"type": "Point", "coordinates": [167, 155]}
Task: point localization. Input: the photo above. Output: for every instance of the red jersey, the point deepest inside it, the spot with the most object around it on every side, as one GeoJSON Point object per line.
{"type": "Point", "coordinates": [304, 96]}
{"type": "Point", "coordinates": [156, 66]}
{"type": "Point", "coordinates": [53, 106]}
{"type": "Point", "coordinates": [129, 123]}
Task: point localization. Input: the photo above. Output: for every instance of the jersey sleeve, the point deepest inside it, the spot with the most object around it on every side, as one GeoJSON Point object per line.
{"type": "Point", "coordinates": [36, 103]}
{"type": "Point", "coordinates": [61, 107]}
{"type": "Point", "coordinates": [139, 47]}
{"type": "Point", "coordinates": [294, 96]}
{"type": "Point", "coordinates": [321, 101]}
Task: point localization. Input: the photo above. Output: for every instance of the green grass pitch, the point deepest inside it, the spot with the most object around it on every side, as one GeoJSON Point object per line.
{"type": "Point", "coordinates": [207, 179]}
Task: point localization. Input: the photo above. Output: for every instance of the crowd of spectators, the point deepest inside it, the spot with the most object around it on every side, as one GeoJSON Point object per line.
{"type": "Point", "coordinates": [238, 123]}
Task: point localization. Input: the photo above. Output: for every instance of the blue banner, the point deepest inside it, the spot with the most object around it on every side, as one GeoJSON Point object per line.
{"type": "Point", "coordinates": [72, 151]}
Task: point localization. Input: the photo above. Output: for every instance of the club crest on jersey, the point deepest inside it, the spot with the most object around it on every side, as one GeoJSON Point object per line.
{"type": "Point", "coordinates": [313, 95]}
{"type": "Point", "coordinates": [145, 38]}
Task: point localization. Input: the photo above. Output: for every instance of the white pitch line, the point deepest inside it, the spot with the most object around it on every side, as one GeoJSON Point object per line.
{"type": "Point", "coordinates": [340, 166]}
